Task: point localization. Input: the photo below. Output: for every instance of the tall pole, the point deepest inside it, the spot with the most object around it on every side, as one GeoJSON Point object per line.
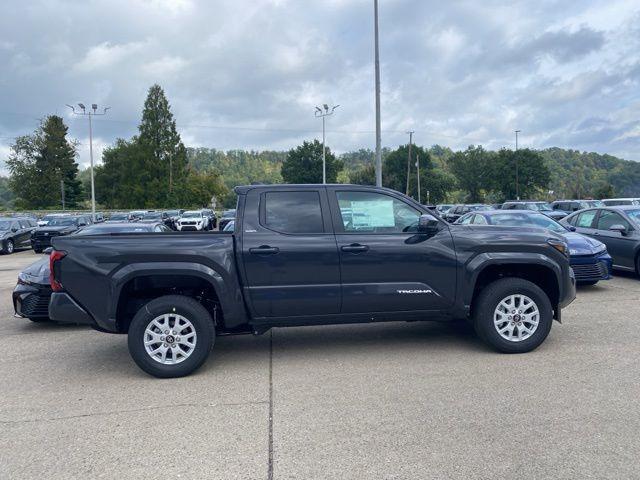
{"type": "Point", "coordinates": [324, 154]}
{"type": "Point", "coordinates": [320, 113]}
{"type": "Point", "coordinates": [517, 180]}
{"type": "Point", "coordinates": [62, 192]}
{"type": "Point", "coordinates": [93, 189]}
{"type": "Point", "coordinates": [377, 71]}
{"type": "Point", "coordinates": [409, 160]}
{"type": "Point", "coordinates": [90, 113]}
{"type": "Point", "coordinates": [418, 170]}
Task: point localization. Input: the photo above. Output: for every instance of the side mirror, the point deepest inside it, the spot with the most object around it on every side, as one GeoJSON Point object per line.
{"type": "Point", "coordinates": [14, 229]}
{"type": "Point", "coordinates": [571, 228]}
{"type": "Point", "coordinates": [428, 224]}
{"type": "Point", "coordinates": [48, 250]}
{"type": "Point", "coordinates": [618, 228]}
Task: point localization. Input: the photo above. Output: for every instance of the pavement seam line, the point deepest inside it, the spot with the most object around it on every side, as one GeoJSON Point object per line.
{"type": "Point", "coordinates": [270, 451]}
{"type": "Point", "coordinates": [133, 410]}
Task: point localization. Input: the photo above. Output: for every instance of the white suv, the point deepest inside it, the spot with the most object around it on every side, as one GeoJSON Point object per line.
{"type": "Point", "coordinates": [192, 220]}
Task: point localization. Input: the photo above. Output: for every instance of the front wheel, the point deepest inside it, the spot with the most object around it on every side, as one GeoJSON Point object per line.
{"type": "Point", "coordinates": [9, 247]}
{"type": "Point", "coordinates": [171, 336]}
{"type": "Point", "coordinates": [513, 315]}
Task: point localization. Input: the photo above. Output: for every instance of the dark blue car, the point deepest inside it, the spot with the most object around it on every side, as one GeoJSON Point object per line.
{"type": "Point", "coordinates": [589, 260]}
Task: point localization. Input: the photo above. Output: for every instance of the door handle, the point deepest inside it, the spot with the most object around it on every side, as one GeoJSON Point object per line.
{"type": "Point", "coordinates": [354, 248]}
{"type": "Point", "coordinates": [264, 250]}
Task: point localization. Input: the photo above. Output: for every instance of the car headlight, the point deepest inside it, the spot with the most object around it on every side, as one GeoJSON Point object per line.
{"type": "Point", "coordinates": [23, 279]}
{"type": "Point", "coordinates": [559, 245]}
{"type": "Point", "coordinates": [602, 248]}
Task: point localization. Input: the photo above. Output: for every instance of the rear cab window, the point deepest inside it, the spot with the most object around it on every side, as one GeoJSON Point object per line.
{"type": "Point", "coordinates": [292, 212]}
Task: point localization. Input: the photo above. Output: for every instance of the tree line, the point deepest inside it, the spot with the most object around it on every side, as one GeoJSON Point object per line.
{"type": "Point", "coordinates": [154, 169]}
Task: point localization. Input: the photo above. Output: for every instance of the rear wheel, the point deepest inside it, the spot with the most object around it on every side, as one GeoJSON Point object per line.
{"type": "Point", "coordinates": [171, 336]}
{"type": "Point", "coordinates": [513, 315]}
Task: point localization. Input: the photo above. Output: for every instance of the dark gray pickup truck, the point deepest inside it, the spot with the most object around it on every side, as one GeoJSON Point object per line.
{"type": "Point", "coordinates": [310, 255]}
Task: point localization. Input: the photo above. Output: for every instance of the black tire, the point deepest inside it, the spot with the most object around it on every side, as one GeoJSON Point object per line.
{"type": "Point", "coordinates": [9, 247]}
{"type": "Point", "coordinates": [587, 284]}
{"type": "Point", "coordinates": [192, 311]}
{"type": "Point", "coordinates": [490, 297]}
{"type": "Point", "coordinates": [37, 250]}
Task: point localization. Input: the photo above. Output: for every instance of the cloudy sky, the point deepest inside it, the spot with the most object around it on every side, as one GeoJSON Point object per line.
{"type": "Point", "coordinates": [248, 73]}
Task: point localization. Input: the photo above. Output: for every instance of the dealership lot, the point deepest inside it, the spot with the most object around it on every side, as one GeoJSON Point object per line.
{"type": "Point", "coordinates": [392, 400]}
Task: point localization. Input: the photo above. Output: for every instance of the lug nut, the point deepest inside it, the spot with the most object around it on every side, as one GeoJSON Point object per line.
{"type": "Point", "coordinates": [162, 338]}
{"type": "Point", "coordinates": [177, 339]}
{"type": "Point", "coordinates": [166, 332]}
{"type": "Point", "coordinates": [166, 345]}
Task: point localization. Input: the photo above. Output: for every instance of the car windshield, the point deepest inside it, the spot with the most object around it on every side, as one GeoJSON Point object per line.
{"type": "Point", "coordinates": [479, 207]}
{"type": "Point", "coordinates": [173, 213]}
{"type": "Point", "coordinates": [634, 214]}
{"type": "Point", "coordinates": [191, 215]}
{"type": "Point", "coordinates": [527, 220]}
{"type": "Point", "coordinates": [119, 216]}
{"type": "Point", "coordinates": [5, 225]}
{"type": "Point", "coordinates": [62, 222]}
{"type": "Point", "coordinates": [543, 207]}
{"type": "Point", "coordinates": [152, 216]}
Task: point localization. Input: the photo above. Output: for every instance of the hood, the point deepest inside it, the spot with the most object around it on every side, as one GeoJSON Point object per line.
{"type": "Point", "coordinates": [581, 244]}
{"type": "Point", "coordinates": [556, 214]}
{"type": "Point", "coordinates": [37, 272]}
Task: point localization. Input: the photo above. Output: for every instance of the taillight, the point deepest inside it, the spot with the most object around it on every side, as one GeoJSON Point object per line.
{"type": "Point", "coordinates": [54, 256]}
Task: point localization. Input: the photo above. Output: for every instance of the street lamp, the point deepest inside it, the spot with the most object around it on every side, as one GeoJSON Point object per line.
{"type": "Point", "coordinates": [324, 112]}
{"type": "Point", "coordinates": [517, 182]}
{"type": "Point", "coordinates": [91, 113]}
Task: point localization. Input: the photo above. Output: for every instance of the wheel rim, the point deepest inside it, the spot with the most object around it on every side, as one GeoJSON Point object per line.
{"type": "Point", "coordinates": [516, 318]}
{"type": "Point", "coordinates": [10, 246]}
{"type": "Point", "coordinates": [170, 339]}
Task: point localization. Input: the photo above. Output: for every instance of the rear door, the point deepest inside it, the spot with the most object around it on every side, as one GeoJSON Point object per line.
{"type": "Point", "coordinates": [385, 265]}
{"type": "Point", "coordinates": [290, 254]}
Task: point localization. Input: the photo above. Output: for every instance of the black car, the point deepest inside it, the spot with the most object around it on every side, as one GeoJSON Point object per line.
{"type": "Point", "coordinates": [57, 226]}
{"type": "Point", "coordinates": [119, 217]}
{"type": "Point", "coordinates": [536, 206]}
{"type": "Point", "coordinates": [155, 217]}
{"type": "Point", "coordinates": [174, 216]}
{"type": "Point", "coordinates": [617, 227]}
{"type": "Point", "coordinates": [33, 291]}
{"type": "Point", "coordinates": [15, 232]}
{"type": "Point", "coordinates": [571, 206]}
{"type": "Point", "coordinates": [227, 216]}
{"type": "Point", "coordinates": [455, 212]}
{"type": "Point", "coordinates": [311, 255]}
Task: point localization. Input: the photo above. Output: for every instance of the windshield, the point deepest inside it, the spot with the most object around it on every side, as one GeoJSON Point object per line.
{"type": "Point", "coordinates": [479, 207]}
{"type": "Point", "coordinates": [62, 222]}
{"type": "Point", "coordinates": [119, 216]}
{"type": "Point", "coordinates": [192, 215]}
{"type": "Point", "coordinates": [152, 216]}
{"type": "Point", "coordinates": [544, 207]}
{"type": "Point", "coordinates": [527, 220]}
{"type": "Point", "coordinates": [173, 213]}
{"type": "Point", "coordinates": [634, 214]}
{"type": "Point", "coordinates": [5, 225]}
{"type": "Point", "coordinates": [595, 203]}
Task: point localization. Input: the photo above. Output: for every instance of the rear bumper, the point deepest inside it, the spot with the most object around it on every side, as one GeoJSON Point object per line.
{"type": "Point", "coordinates": [63, 308]}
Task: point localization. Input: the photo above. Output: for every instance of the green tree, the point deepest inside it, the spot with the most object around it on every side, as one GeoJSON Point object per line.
{"type": "Point", "coordinates": [472, 169]}
{"type": "Point", "coordinates": [533, 173]}
{"type": "Point", "coordinates": [39, 163]}
{"type": "Point", "coordinates": [605, 190]}
{"type": "Point", "coordinates": [304, 164]}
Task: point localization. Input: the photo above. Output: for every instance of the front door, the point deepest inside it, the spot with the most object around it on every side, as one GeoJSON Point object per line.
{"type": "Point", "coordinates": [290, 255]}
{"type": "Point", "coordinates": [386, 265]}
{"type": "Point", "coordinates": [621, 246]}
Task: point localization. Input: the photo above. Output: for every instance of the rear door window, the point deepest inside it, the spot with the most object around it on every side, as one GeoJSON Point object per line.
{"type": "Point", "coordinates": [585, 219]}
{"type": "Point", "coordinates": [293, 212]}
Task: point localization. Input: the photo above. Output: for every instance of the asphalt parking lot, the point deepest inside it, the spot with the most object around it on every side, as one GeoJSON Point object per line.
{"type": "Point", "coordinates": [384, 401]}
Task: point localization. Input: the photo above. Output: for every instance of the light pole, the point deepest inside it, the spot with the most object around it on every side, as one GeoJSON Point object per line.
{"type": "Point", "coordinates": [377, 81]}
{"type": "Point", "coordinates": [517, 182]}
{"type": "Point", "coordinates": [320, 113]}
{"type": "Point", "coordinates": [418, 175]}
{"type": "Point", "coordinates": [409, 160]}
{"type": "Point", "coordinates": [90, 113]}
